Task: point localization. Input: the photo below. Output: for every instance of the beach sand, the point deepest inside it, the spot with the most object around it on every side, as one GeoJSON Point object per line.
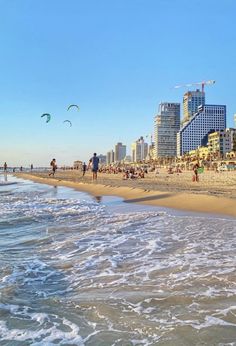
{"type": "Point", "coordinates": [215, 193]}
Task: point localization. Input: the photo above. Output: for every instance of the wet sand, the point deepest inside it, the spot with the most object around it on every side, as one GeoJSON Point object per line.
{"type": "Point", "coordinates": [215, 192]}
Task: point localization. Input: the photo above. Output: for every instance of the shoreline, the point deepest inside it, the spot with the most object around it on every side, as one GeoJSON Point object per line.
{"type": "Point", "coordinates": [185, 201]}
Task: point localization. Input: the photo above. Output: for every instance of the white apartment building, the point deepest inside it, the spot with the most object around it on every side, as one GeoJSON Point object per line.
{"type": "Point", "coordinates": [209, 118]}
{"type": "Point", "coordinates": [166, 126]}
{"type": "Point", "coordinates": [139, 150]}
{"type": "Point", "coordinates": [222, 142]}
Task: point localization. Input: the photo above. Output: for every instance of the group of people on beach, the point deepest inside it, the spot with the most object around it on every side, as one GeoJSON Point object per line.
{"type": "Point", "coordinates": [93, 163]}
{"type": "Point", "coordinates": [6, 169]}
{"type": "Point", "coordinates": [132, 174]}
{"type": "Point", "coordinates": [127, 173]}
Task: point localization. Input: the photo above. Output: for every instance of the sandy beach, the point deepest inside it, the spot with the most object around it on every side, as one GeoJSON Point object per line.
{"type": "Point", "coordinates": [214, 193]}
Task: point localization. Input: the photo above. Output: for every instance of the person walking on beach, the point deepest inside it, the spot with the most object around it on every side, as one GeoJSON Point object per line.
{"type": "Point", "coordinates": [5, 167]}
{"type": "Point", "coordinates": [84, 168]}
{"type": "Point", "coordinates": [94, 161]}
{"type": "Point", "coordinates": [54, 167]}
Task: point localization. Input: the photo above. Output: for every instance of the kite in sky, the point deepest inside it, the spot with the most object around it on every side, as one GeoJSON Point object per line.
{"type": "Point", "coordinates": [46, 115]}
{"type": "Point", "coordinates": [68, 121]}
{"type": "Point", "coordinates": [71, 106]}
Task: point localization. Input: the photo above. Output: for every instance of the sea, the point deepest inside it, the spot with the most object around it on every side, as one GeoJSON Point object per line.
{"type": "Point", "coordinates": [82, 270]}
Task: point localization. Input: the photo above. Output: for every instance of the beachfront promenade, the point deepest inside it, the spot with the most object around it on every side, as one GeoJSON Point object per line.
{"type": "Point", "coordinates": [214, 193]}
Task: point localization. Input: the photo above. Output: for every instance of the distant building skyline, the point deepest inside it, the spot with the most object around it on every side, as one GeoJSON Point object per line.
{"type": "Point", "coordinates": [169, 138]}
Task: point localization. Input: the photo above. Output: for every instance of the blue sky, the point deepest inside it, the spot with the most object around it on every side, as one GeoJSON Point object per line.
{"type": "Point", "coordinates": [117, 59]}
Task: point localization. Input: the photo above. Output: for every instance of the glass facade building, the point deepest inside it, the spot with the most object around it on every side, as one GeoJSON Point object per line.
{"type": "Point", "coordinates": [209, 118]}
{"type": "Point", "coordinates": [191, 101]}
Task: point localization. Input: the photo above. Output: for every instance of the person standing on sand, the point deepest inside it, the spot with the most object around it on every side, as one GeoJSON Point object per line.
{"type": "Point", "coordinates": [54, 167]}
{"type": "Point", "coordinates": [5, 167]}
{"type": "Point", "coordinates": [195, 170]}
{"type": "Point", "coordinates": [94, 161]}
{"type": "Point", "coordinates": [84, 168]}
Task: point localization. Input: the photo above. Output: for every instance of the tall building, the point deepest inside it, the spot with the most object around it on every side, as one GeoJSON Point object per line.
{"type": "Point", "coordinates": [139, 150]}
{"type": "Point", "coordinates": [235, 120]}
{"type": "Point", "coordinates": [120, 152]}
{"type": "Point", "coordinates": [191, 101]}
{"type": "Point", "coordinates": [110, 157]}
{"type": "Point", "coordinates": [209, 118]}
{"type": "Point", "coordinates": [166, 126]}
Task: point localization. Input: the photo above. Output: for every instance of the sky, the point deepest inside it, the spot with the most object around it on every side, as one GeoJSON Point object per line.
{"type": "Point", "coordinates": [116, 59]}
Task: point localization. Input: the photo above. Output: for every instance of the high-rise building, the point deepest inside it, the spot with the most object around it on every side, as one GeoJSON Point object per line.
{"type": "Point", "coordinates": [139, 150]}
{"type": "Point", "coordinates": [191, 101]}
{"type": "Point", "coordinates": [120, 152]}
{"type": "Point", "coordinates": [110, 157]}
{"type": "Point", "coordinates": [235, 120]}
{"type": "Point", "coordinates": [209, 118]}
{"type": "Point", "coordinates": [166, 126]}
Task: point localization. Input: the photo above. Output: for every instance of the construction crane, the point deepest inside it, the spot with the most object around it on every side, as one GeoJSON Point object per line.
{"type": "Point", "coordinates": [203, 83]}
